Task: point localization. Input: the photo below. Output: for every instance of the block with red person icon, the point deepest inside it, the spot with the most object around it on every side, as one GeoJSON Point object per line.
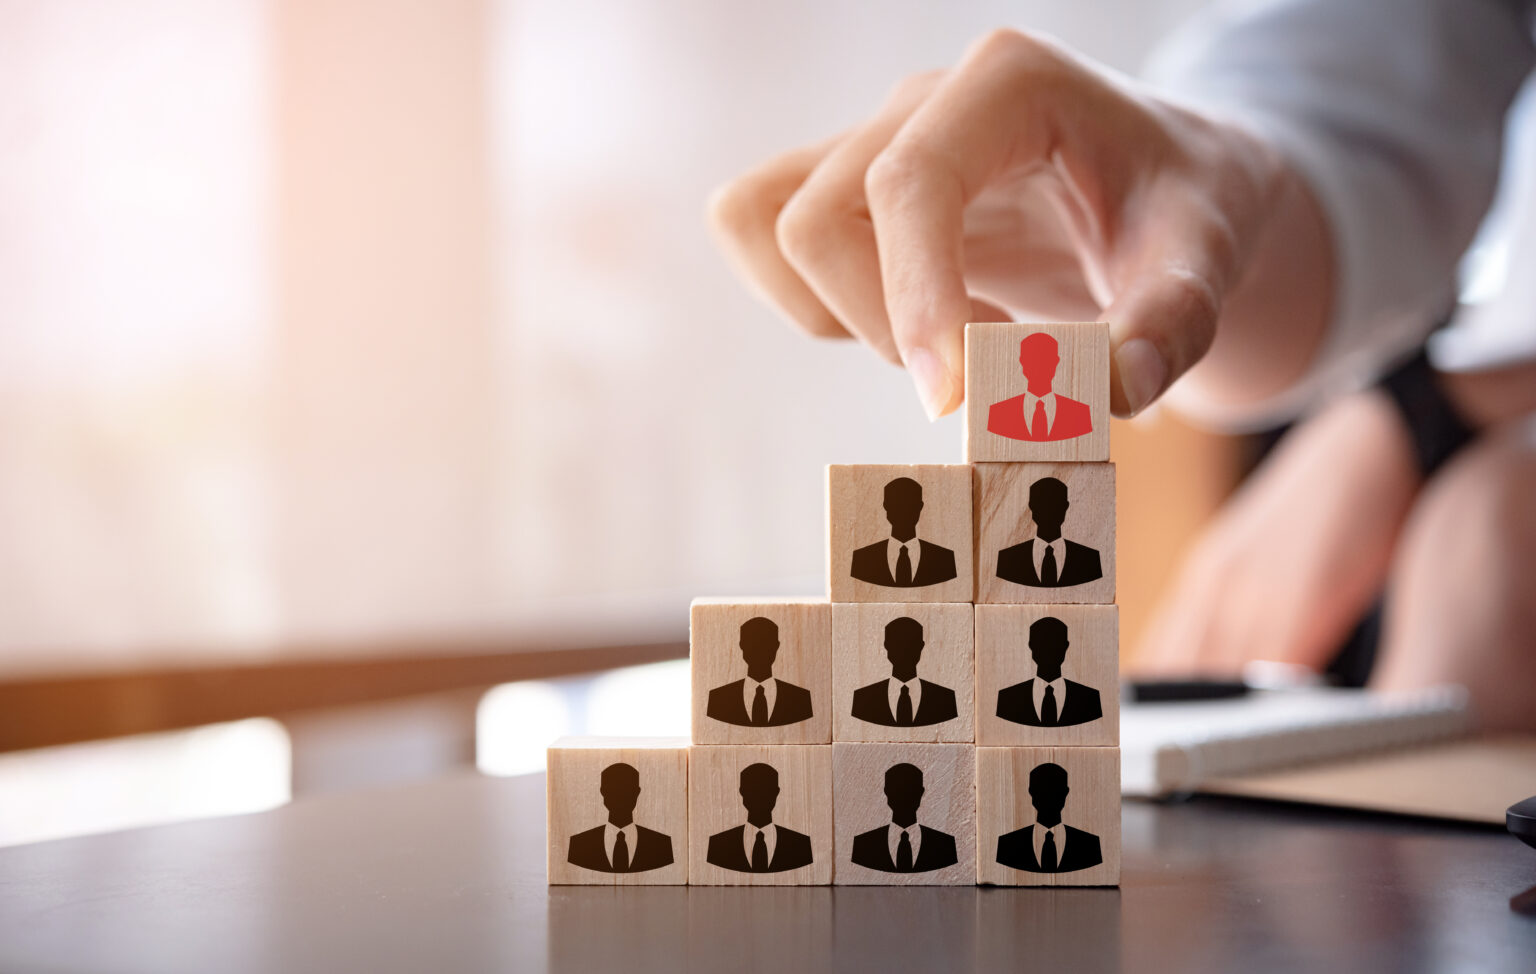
{"type": "Point", "coordinates": [1037, 392]}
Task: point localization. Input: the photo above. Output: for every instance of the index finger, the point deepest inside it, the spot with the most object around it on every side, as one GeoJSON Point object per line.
{"type": "Point", "coordinates": [976, 123]}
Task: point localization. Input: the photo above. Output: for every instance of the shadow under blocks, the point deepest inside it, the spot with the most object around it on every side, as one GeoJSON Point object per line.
{"type": "Point", "coordinates": [945, 713]}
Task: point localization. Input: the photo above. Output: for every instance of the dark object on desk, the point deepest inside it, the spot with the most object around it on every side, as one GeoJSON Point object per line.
{"type": "Point", "coordinates": [1178, 691]}
{"type": "Point", "coordinates": [1521, 821]}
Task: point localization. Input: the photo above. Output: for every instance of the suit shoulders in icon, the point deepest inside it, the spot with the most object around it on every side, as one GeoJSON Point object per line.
{"type": "Point", "coordinates": [588, 850]}
{"type": "Point", "coordinates": [791, 705]}
{"type": "Point", "coordinates": [726, 704]}
{"type": "Point", "coordinates": [937, 849]}
{"type": "Point", "coordinates": [872, 705]}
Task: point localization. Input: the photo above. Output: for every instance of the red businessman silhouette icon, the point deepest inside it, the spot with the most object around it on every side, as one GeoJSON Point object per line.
{"type": "Point", "coordinates": [1040, 414]}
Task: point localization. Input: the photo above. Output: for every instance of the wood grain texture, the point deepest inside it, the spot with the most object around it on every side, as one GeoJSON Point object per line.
{"type": "Point", "coordinates": [1005, 809]}
{"type": "Point", "coordinates": [716, 808]}
{"type": "Point", "coordinates": [575, 807]}
{"type": "Point", "coordinates": [947, 808]}
{"type": "Point", "coordinates": [857, 521]}
{"type": "Point", "coordinates": [803, 665]}
{"type": "Point", "coordinates": [860, 662]}
{"type": "Point", "coordinates": [1005, 531]}
{"type": "Point", "coordinates": [994, 379]}
{"type": "Point", "coordinates": [1004, 662]}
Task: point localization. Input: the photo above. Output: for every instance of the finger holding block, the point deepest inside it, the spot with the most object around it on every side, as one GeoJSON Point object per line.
{"type": "Point", "coordinates": [1048, 816]}
{"type": "Point", "coordinates": [899, 533]}
{"type": "Point", "coordinates": [1037, 392]}
{"type": "Point", "coordinates": [1048, 675]}
{"type": "Point", "coordinates": [618, 811]}
{"type": "Point", "coordinates": [1045, 533]}
{"type": "Point", "coordinates": [761, 671]}
{"type": "Point", "coordinates": [903, 672]}
{"type": "Point", "coordinates": [905, 814]}
{"type": "Point", "coordinates": [760, 816]}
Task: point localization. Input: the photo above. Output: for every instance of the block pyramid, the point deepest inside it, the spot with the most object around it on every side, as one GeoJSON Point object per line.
{"type": "Point", "coordinates": [948, 715]}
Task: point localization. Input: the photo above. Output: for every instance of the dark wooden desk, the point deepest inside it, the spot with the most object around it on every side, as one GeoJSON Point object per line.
{"type": "Point", "coordinates": [448, 876]}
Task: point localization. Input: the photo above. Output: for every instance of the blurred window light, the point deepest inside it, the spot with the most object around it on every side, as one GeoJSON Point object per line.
{"type": "Point", "coordinates": [515, 723]}
{"type": "Point", "coordinates": [649, 701]}
{"type": "Point", "coordinates": [151, 779]}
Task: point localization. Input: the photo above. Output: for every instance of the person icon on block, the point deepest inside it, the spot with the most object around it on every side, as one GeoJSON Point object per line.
{"type": "Point", "coordinates": [1040, 414]}
{"type": "Point", "coordinates": [903, 560]}
{"type": "Point", "coordinates": [1049, 845]}
{"type": "Point", "coordinates": [620, 845]}
{"type": "Point", "coordinates": [1048, 560]}
{"type": "Point", "coordinates": [903, 846]}
{"type": "Point", "coordinates": [1049, 699]}
{"type": "Point", "coordinates": [759, 846]}
{"type": "Point", "coordinates": [759, 700]}
{"type": "Point", "coordinates": [903, 700]}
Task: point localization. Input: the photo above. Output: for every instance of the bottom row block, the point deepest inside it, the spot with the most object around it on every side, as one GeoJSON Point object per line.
{"type": "Point", "coordinates": [655, 811]}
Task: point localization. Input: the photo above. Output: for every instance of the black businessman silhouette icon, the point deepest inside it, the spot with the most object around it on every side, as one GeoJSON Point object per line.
{"type": "Point", "coordinates": [759, 846]}
{"type": "Point", "coordinates": [1048, 846]}
{"type": "Point", "coordinates": [898, 847]}
{"type": "Point", "coordinates": [620, 846]}
{"type": "Point", "coordinates": [903, 560]}
{"type": "Point", "coordinates": [759, 700]}
{"type": "Point", "coordinates": [1049, 700]}
{"type": "Point", "coordinates": [1048, 560]}
{"type": "Point", "coordinates": [903, 700]}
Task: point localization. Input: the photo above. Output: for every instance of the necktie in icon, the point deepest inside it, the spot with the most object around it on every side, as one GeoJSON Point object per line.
{"type": "Point", "coordinates": [759, 707]}
{"type": "Point", "coordinates": [1038, 428]}
{"type": "Point", "coordinates": [903, 567]}
{"type": "Point", "coordinates": [1048, 861]}
{"type": "Point", "coordinates": [621, 853]}
{"type": "Point", "coordinates": [1048, 713]}
{"type": "Point", "coordinates": [904, 707]}
{"type": "Point", "coordinates": [759, 853]}
{"type": "Point", "coordinates": [1048, 573]}
{"type": "Point", "coordinates": [904, 853]}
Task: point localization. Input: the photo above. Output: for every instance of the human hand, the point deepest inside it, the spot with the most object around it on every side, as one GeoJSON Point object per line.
{"type": "Point", "coordinates": [1023, 179]}
{"type": "Point", "coordinates": [1297, 555]}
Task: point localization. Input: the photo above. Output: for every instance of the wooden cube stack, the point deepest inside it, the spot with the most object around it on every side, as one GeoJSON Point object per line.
{"type": "Point", "coordinates": [950, 716]}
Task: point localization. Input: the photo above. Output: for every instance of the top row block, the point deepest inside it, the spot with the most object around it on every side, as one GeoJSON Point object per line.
{"type": "Point", "coordinates": [1037, 392]}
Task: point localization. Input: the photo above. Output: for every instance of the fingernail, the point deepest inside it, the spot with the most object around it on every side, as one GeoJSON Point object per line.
{"type": "Point", "coordinates": [931, 379]}
{"type": "Point", "coordinates": [1142, 373]}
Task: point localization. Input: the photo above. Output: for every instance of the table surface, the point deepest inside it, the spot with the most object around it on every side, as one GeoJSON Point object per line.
{"type": "Point", "coordinates": [448, 875]}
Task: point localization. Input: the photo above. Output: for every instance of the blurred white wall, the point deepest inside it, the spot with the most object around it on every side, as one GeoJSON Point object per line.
{"type": "Point", "coordinates": [327, 320]}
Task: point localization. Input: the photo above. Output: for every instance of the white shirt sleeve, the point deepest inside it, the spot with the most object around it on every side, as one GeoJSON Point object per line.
{"type": "Point", "coordinates": [1393, 111]}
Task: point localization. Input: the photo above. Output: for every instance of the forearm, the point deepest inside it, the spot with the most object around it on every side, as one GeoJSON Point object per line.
{"type": "Point", "coordinates": [1391, 114]}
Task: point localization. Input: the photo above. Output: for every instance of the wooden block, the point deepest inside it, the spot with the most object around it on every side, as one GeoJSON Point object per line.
{"type": "Point", "coordinates": [781, 646]}
{"type": "Point", "coordinates": [873, 509]}
{"type": "Point", "coordinates": [1023, 792]}
{"type": "Point", "coordinates": [1019, 503]}
{"type": "Point", "coordinates": [1074, 647]}
{"type": "Point", "coordinates": [735, 791]}
{"type": "Point", "coordinates": [1037, 392]}
{"type": "Point", "coordinates": [601, 787]}
{"type": "Point", "coordinates": [926, 790]}
{"type": "Point", "coordinates": [880, 647]}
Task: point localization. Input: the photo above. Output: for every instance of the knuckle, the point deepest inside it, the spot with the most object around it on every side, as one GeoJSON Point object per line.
{"type": "Point", "coordinates": [1018, 49]}
{"type": "Point", "coordinates": [738, 209]}
{"type": "Point", "coordinates": [1196, 304]}
{"type": "Point", "coordinates": [800, 228]}
{"type": "Point", "coordinates": [893, 172]}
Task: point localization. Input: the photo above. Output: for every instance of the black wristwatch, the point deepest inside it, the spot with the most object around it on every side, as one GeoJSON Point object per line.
{"type": "Point", "coordinates": [1434, 425]}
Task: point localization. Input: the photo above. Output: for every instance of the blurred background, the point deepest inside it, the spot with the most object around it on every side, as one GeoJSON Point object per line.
{"type": "Point", "coordinates": [373, 400]}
